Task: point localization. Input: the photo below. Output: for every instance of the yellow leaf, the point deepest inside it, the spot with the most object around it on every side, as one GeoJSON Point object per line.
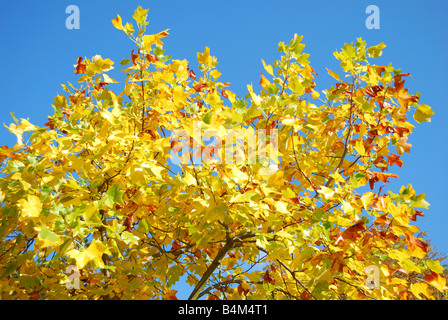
{"type": "Point", "coordinates": [81, 257]}
{"type": "Point", "coordinates": [95, 252]}
{"type": "Point", "coordinates": [108, 80]}
{"type": "Point", "coordinates": [359, 147]}
{"type": "Point", "coordinates": [367, 199]}
{"type": "Point", "coordinates": [140, 15]}
{"type": "Point", "coordinates": [284, 234]}
{"type": "Point", "coordinates": [215, 74]}
{"type": "Point", "coordinates": [31, 207]}
{"type": "Point", "coordinates": [118, 23]}
{"type": "Point", "coordinates": [91, 215]}
{"type": "Point", "coordinates": [20, 129]}
{"type": "Point", "coordinates": [268, 68]}
{"type": "Point", "coordinates": [136, 175]}
{"type": "Point", "coordinates": [420, 287]}
{"type": "Point", "coordinates": [337, 177]}
{"type": "Point", "coordinates": [264, 82]}
{"type": "Point", "coordinates": [189, 179]}
{"type": "Point", "coordinates": [149, 40]}
{"type": "Point", "coordinates": [341, 221]}
{"type": "Point", "coordinates": [347, 207]}
{"type": "Point", "coordinates": [158, 171]}
{"type": "Point", "coordinates": [179, 96]}
{"type": "Point", "coordinates": [204, 58]}
{"type": "Point", "coordinates": [281, 207]}
{"type": "Point", "coordinates": [99, 64]}
{"type": "Point", "coordinates": [327, 192]}
{"type": "Point", "coordinates": [334, 75]}
{"type": "Point", "coordinates": [289, 121]}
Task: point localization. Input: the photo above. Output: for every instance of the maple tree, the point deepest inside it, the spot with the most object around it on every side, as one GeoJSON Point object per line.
{"type": "Point", "coordinates": [97, 187]}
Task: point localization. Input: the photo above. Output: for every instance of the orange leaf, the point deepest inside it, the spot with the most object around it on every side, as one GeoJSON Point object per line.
{"type": "Point", "coordinates": [394, 159]}
{"type": "Point", "coordinates": [80, 67]}
{"type": "Point", "coordinates": [170, 294]}
{"type": "Point", "coordinates": [413, 241]}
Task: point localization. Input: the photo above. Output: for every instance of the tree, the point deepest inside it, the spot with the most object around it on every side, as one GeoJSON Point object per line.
{"type": "Point", "coordinates": [134, 189]}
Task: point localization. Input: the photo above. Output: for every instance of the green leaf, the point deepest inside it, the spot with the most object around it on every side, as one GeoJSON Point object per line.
{"type": "Point", "coordinates": [419, 201]}
{"type": "Point", "coordinates": [10, 268]}
{"type": "Point", "coordinates": [125, 62]}
{"type": "Point", "coordinates": [27, 282]}
{"type": "Point", "coordinates": [207, 118]}
{"type": "Point", "coordinates": [434, 266]}
{"type": "Point", "coordinates": [126, 236]}
{"type": "Point", "coordinates": [15, 166]}
{"type": "Point", "coordinates": [114, 195]}
{"type": "Point", "coordinates": [46, 190]}
{"type": "Point", "coordinates": [376, 51]}
{"type": "Point", "coordinates": [48, 235]}
{"type": "Point", "coordinates": [295, 46]}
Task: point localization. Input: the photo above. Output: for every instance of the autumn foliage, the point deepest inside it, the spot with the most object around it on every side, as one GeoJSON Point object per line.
{"type": "Point", "coordinates": [97, 187]}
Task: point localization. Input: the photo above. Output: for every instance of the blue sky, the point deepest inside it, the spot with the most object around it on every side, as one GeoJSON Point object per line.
{"type": "Point", "coordinates": [39, 53]}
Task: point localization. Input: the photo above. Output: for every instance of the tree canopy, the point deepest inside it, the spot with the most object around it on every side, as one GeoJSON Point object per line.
{"type": "Point", "coordinates": [166, 175]}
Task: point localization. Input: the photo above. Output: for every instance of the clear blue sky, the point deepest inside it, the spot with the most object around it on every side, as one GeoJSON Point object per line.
{"type": "Point", "coordinates": [39, 53]}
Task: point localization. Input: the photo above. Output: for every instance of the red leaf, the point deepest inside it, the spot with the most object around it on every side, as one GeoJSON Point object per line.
{"type": "Point", "coordinates": [431, 277]}
{"type": "Point", "coordinates": [176, 245]}
{"type": "Point", "coordinates": [133, 57]}
{"type": "Point", "coordinates": [416, 213]}
{"type": "Point", "coordinates": [34, 295]}
{"type": "Point", "coordinates": [224, 94]}
{"type": "Point", "coordinates": [305, 296]}
{"type": "Point", "coordinates": [351, 233]}
{"type": "Point", "coordinates": [151, 207]}
{"type": "Point", "coordinates": [129, 223]}
{"type": "Point", "coordinates": [192, 75]}
{"type": "Point", "coordinates": [267, 278]}
{"type": "Point", "coordinates": [100, 85]}
{"type": "Point", "coordinates": [152, 58]}
{"type": "Point", "coordinates": [199, 87]}
{"type": "Point", "coordinates": [242, 291]}
{"type": "Point", "coordinates": [81, 67]}
{"type": "Point", "coordinates": [373, 91]}
{"type": "Point", "coordinates": [400, 269]}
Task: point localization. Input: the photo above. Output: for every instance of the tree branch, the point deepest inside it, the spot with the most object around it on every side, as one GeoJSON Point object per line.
{"type": "Point", "coordinates": [230, 243]}
{"type": "Point", "coordinates": [297, 280]}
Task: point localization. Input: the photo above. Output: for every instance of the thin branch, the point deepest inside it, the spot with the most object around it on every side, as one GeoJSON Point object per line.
{"type": "Point", "coordinates": [297, 280]}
